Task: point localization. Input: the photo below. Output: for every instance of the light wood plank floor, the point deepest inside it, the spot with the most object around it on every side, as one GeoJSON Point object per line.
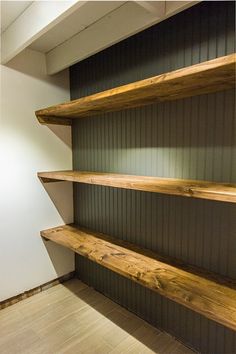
{"type": "Point", "coordinates": [73, 318]}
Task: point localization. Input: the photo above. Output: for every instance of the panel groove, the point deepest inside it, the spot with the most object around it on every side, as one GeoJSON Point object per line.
{"type": "Point", "coordinates": [193, 138]}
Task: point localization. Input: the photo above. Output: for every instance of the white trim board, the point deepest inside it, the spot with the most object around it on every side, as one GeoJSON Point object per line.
{"type": "Point", "coordinates": [100, 25]}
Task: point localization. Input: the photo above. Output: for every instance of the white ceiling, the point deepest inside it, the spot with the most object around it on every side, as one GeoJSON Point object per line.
{"type": "Point", "coordinates": [73, 24]}
{"type": "Point", "coordinates": [10, 10]}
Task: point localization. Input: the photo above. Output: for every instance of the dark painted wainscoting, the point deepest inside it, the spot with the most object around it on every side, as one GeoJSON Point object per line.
{"type": "Point", "coordinates": [190, 138]}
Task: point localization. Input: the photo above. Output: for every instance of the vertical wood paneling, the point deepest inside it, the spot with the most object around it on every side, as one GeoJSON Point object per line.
{"type": "Point", "coordinates": [190, 138]}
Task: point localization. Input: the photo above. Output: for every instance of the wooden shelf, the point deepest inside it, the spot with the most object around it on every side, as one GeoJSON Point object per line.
{"type": "Point", "coordinates": [210, 76]}
{"type": "Point", "coordinates": [201, 291]}
{"type": "Point", "coordinates": [224, 192]}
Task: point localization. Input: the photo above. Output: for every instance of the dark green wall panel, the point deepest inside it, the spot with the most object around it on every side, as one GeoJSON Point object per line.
{"type": "Point", "coordinates": [190, 138]}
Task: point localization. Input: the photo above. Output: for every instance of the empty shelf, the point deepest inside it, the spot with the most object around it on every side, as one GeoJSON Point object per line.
{"type": "Point", "coordinates": [224, 192]}
{"type": "Point", "coordinates": [201, 291]}
{"type": "Point", "coordinates": [210, 76]}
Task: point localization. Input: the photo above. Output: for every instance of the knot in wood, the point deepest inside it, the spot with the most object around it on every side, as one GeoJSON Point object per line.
{"type": "Point", "coordinates": [187, 297]}
{"type": "Point", "coordinates": [104, 256]}
{"type": "Point", "coordinates": [118, 254]}
{"type": "Point", "coordinates": [188, 191]}
{"type": "Point", "coordinates": [158, 284]}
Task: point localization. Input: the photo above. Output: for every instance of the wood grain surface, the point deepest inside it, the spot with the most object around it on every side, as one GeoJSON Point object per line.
{"type": "Point", "coordinates": [224, 192]}
{"type": "Point", "coordinates": [210, 76]}
{"type": "Point", "coordinates": [203, 292]}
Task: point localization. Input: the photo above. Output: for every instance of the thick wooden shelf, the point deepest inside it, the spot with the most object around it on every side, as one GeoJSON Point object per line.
{"type": "Point", "coordinates": [210, 76]}
{"type": "Point", "coordinates": [201, 291]}
{"type": "Point", "coordinates": [224, 192]}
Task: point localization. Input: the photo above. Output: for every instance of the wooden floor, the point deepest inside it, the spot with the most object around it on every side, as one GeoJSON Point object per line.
{"type": "Point", "coordinates": [73, 318]}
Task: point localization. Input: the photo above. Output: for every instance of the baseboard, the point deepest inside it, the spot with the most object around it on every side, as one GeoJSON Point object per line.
{"type": "Point", "coordinates": [34, 291]}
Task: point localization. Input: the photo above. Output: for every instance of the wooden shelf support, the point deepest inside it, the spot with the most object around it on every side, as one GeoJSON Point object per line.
{"type": "Point", "coordinates": [201, 291]}
{"type": "Point", "coordinates": [210, 76]}
{"type": "Point", "coordinates": [224, 192]}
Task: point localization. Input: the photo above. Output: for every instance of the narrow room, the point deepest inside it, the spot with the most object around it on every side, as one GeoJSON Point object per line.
{"type": "Point", "coordinates": [118, 177]}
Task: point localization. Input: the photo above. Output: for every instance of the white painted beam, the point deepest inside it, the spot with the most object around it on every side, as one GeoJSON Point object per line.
{"type": "Point", "coordinates": [157, 8]}
{"type": "Point", "coordinates": [130, 18]}
{"type": "Point", "coordinates": [100, 25]}
{"type": "Point", "coordinates": [173, 7]}
{"type": "Point", "coordinates": [82, 18]}
{"type": "Point", "coordinates": [165, 9]}
{"type": "Point", "coordinates": [38, 18]}
{"type": "Point", "coordinates": [112, 28]}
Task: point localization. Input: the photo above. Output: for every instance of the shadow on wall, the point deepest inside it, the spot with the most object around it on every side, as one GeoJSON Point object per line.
{"type": "Point", "coordinates": [56, 191]}
{"type": "Point", "coordinates": [59, 193]}
{"type": "Point", "coordinates": [33, 63]}
{"type": "Point", "coordinates": [63, 133]}
{"type": "Point", "coordinates": [57, 254]}
{"type": "Point", "coordinates": [30, 69]}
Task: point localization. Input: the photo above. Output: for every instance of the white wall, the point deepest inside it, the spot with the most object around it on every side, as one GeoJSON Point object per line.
{"type": "Point", "coordinates": [26, 147]}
